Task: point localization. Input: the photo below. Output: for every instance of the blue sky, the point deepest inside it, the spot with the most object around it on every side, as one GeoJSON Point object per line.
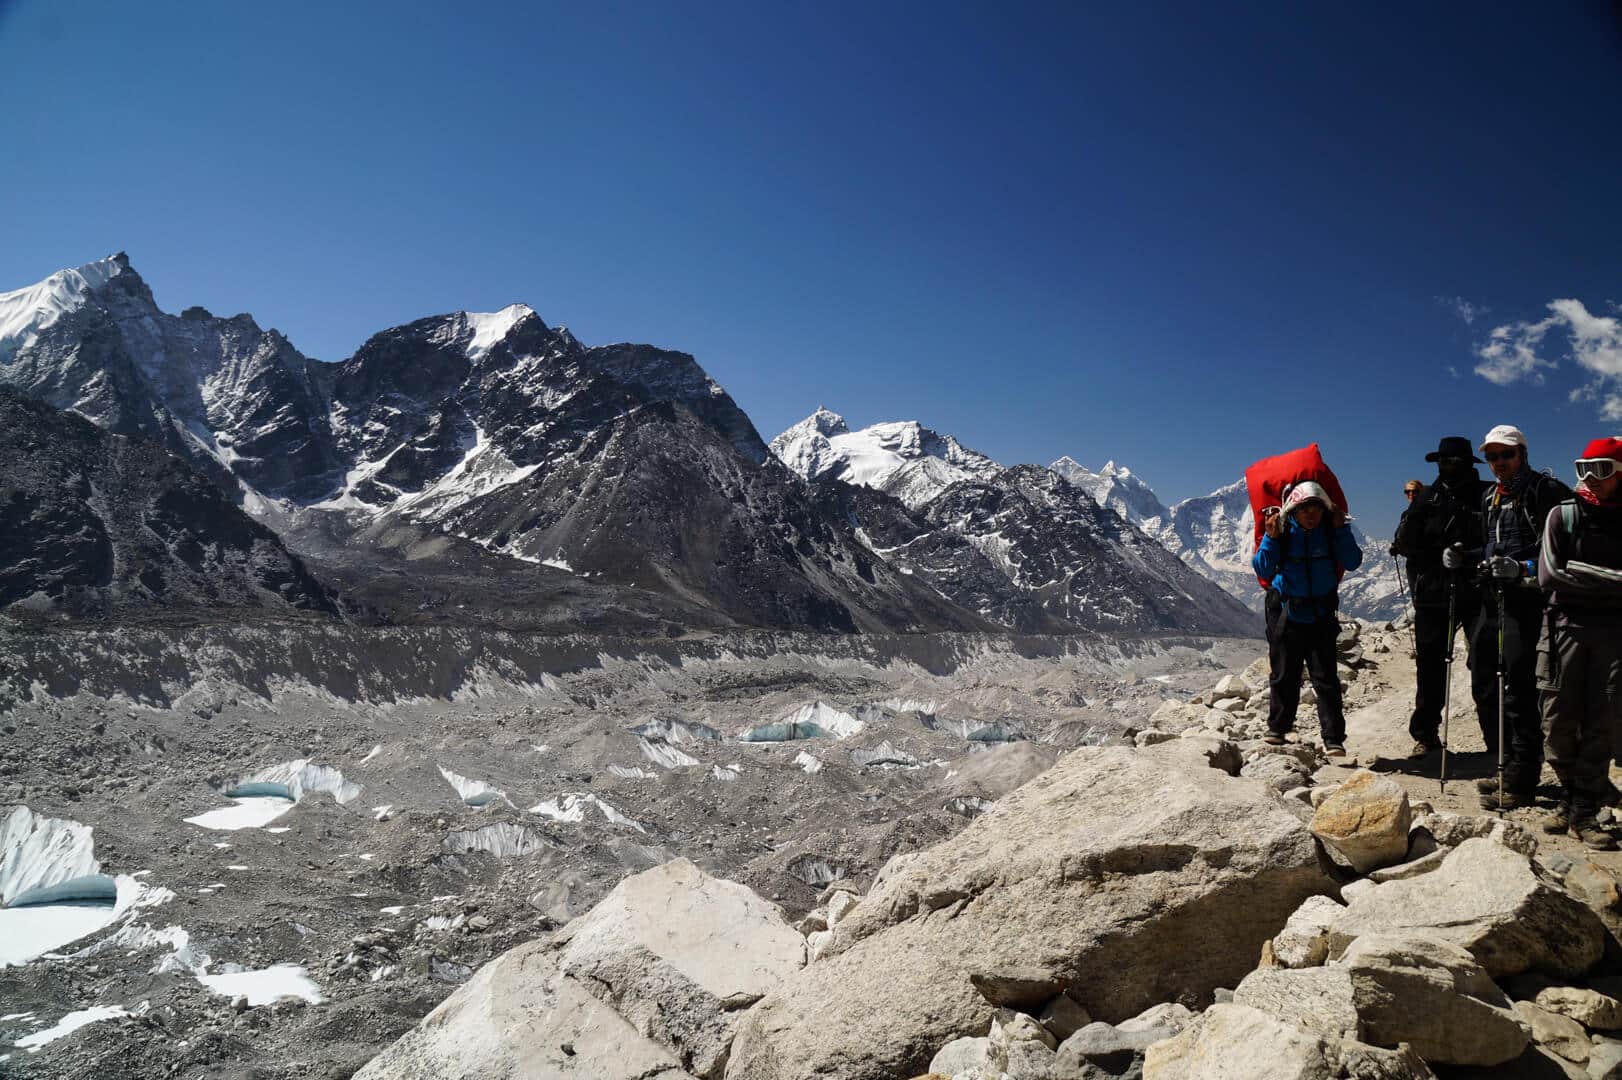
{"type": "Point", "coordinates": [1181, 236]}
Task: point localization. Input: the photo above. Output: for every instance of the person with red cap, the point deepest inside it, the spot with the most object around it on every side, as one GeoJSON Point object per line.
{"type": "Point", "coordinates": [1305, 546]}
{"type": "Point", "coordinates": [1580, 654]}
{"type": "Point", "coordinates": [1504, 639]}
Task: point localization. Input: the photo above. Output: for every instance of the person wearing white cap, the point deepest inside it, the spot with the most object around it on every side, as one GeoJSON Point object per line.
{"type": "Point", "coordinates": [1504, 640]}
{"type": "Point", "coordinates": [1305, 546]}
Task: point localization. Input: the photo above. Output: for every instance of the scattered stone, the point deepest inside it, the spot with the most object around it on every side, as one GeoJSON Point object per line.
{"type": "Point", "coordinates": [1276, 772]}
{"type": "Point", "coordinates": [1177, 716]}
{"type": "Point", "coordinates": [1238, 1041]}
{"type": "Point", "coordinates": [1304, 941]}
{"type": "Point", "coordinates": [1011, 1027]}
{"type": "Point", "coordinates": [1232, 686]}
{"type": "Point", "coordinates": [1170, 1015]}
{"type": "Point", "coordinates": [1319, 794]}
{"type": "Point", "coordinates": [1017, 987]}
{"type": "Point", "coordinates": [1151, 738]}
{"type": "Point", "coordinates": [1605, 1059]}
{"type": "Point", "coordinates": [653, 977]}
{"type": "Point", "coordinates": [1317, 1000]}
{"type": "Point", "coordinates": [1412, 868]}
{"type": "Point", "coordinates": [1366, 820]}
{"type": "Point", "coordinates": [1064, 1016]}
{"type": "Point", "coordinates": [840, 905]}
{"type": "Point", "coordinates": [1558, 1034]}
{"type": "Point", "coordinates": [1589, 1008]}
{"type": "Point", "coordinates": [1100, 1050]}
{"type": "Point", "coordinates": [1133, 874]}
{"type": "Point", "coordinates": [1434, 996]}
{"type": "Point", "coordinates": [1488, 899]}
{"type": "Point", "coordinates": [961, 1055]}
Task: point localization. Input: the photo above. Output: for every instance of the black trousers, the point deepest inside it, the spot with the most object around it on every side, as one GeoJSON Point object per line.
{"type": "Point", "coordinates": [1523, 720]}
{"type": "Point", "coordinates": [1290, 645]}
{"type": "Point", "coordinates": [1430, 666]}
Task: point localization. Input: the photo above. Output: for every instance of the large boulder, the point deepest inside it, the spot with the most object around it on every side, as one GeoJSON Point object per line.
{"type": "Point", "coordinates": [1432, 995]}
{"type": "Point", "coordinates": [1495, 902]}
{"type": "Point", "coordinates": [1177, 716]}
{"type": "Point", "coordinates": [1236, 1042]}
{"type": "Point", "coordinates": [1134, 877]}
{"type": "Point", "coordinates": [653, 977]}
{"type": "Point", "coordinates": [1366, 820]}
{"type": "Point", "coordinates": [521, 1018]}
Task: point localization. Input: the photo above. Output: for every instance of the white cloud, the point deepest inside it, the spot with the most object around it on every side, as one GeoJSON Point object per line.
{"type": "Point", "coordinates": [1515, 351]}
{"type": "Point", "coordinates": [1511, 352]}
{"type": "Point", "coordinates": [1463, 308]}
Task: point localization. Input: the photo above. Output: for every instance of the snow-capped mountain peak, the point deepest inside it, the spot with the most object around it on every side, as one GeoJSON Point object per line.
{"type": "Point", "coordinates": [1113, 486]}
{"type": "Point", "coordinates": [25, 312]}
{"type": "Point", "coordinates": [902, 457]}
{"type": "Point", "coordinates": [488, 328]}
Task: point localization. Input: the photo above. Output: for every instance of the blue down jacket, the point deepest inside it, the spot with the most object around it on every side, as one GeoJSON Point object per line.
{"type": "Point", "coordinates": [1305, 567]}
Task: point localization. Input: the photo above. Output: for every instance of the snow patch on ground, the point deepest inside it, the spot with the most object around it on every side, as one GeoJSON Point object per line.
{"type": "Point", "coordinates": [39, 853]}
{"type": "Point", "coordinates": [70, 1023]}
{"type": "Point", "coordinates": [807, 762]}
{"type": "Point", "coordinates": [473, 792]}
{"type": "Point", "coordinates": [265, 985]}
{"type": "Point", "coordinates": [296, 779]}
{"type": "Point", "coordinates": [571, 807]}
{"type": "Point", "coordinates": [664, 755]}
{"type": "Point", "coordinates": [247, 813]}
{"type": "Point", "coordinates": [502, 839]}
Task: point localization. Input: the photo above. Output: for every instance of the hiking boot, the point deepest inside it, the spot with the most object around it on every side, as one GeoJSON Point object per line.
{"type": "Point", "coordinates": [1421, 748]}
{"type": "Point", "coordinates": [1334, 749]}
{"type": "Point", "coordinates": [1558, 821]}
{"type": "Point", "coordinates": [1487, 785]}
{"type": "Point", "coordinates": [1511, 801]}
{"type": "Point", "coordinates": [1273, 738]}
{"type": "Point", "coordinates": [1593, 837]}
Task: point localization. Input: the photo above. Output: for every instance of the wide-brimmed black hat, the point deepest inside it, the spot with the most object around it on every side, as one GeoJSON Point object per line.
{"type": "Point", "coordinates": [1454, 446]}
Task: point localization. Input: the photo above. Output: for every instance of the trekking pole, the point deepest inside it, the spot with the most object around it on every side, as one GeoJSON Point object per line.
{"type": "Point", "coordinates": [1407, 603]}
{"type": "Point", "coordinates": [1501, 608]}
{"type": "Point", "coordinates": [1447, 682]}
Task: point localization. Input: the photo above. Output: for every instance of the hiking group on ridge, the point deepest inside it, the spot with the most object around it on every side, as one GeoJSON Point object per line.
{"type": "Point", "coordinates": [1529, 568]}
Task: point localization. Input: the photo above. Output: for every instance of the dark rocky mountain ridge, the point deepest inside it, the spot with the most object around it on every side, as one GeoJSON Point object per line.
{"type": "Point", "coordinates": [94, 523]}
{"type": "Point", "coordinates": [625, 466]}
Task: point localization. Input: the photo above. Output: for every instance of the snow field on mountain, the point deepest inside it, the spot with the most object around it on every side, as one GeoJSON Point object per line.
{"type": "Point", "coordinates": [25, 312]}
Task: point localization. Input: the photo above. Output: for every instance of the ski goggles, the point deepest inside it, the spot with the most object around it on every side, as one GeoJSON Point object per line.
{"type": "Point", "coordinates": [1601, 468]}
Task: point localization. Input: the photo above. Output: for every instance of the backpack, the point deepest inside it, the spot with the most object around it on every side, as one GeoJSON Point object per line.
{"type": "Point", "coordinates": [1268, 480]}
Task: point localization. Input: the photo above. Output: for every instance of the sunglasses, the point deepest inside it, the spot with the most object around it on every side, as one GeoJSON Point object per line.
{"type": "Point", "coordinates": [1596, 468]}
{"type": "Point", "coordinates": [1507, 455]}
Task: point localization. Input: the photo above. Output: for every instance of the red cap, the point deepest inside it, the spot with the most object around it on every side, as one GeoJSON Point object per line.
{"type": "Point", "coordinates": [1599, 448]}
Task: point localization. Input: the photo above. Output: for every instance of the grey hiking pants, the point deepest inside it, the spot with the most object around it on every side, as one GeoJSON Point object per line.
{"type": "Point", "coordinates": [1580, 692]}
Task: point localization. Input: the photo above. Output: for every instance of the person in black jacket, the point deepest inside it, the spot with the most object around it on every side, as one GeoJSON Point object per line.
{"type": "Point", "coordinates": [1445, 514]}
{"type": "Point", "coordinates": [1513, 512]}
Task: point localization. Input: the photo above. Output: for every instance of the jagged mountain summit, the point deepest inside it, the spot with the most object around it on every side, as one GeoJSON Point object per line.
{"type": "Point", "coordinates": [1215, 535]}
{"type": "Point", "coordinates": [1020, 546]}
{"type": "Point", "coordinates": [1113, 486]}
{"type": "Point", "coordinates": [625, 464]}
{"type": "Point", "coordinates": [903, 458]}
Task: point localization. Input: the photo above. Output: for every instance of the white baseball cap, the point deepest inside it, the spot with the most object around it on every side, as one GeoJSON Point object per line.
{"type": "Point", "coordinates": [1503, 435]}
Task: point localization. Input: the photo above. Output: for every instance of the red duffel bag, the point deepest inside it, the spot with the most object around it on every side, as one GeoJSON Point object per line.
{"type": "Point", "coordinates": [1269, 478]}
